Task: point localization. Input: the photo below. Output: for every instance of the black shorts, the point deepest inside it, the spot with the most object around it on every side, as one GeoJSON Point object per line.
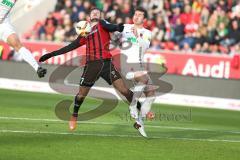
{"type": "Point", "coordinates": [99, 68]}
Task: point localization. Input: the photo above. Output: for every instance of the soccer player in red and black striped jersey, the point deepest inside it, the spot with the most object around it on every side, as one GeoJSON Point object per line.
{"type": "Point", "coordinates": [98, 61]}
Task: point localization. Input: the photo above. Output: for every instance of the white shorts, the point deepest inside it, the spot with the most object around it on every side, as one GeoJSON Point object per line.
{"type": "Point", "coordinates": [6, 29]}
{"type": "Point", "coordinates": [129, 71]}
{"type": "Point", "coordinates": [130, 65]}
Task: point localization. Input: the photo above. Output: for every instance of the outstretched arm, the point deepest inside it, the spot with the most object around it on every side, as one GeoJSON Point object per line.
{"type": "Point", "coordinates": [73, 45]}
{"type": "Point", "coordinates": [112, 27]}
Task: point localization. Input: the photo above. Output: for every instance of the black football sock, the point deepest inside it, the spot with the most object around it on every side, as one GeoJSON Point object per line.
{"type": "Point", "coordinates": [77, 103]}
{"type": "Point", "coordinates": [129, 96]}
{"type": "Point", "coordinates": [139, 105]}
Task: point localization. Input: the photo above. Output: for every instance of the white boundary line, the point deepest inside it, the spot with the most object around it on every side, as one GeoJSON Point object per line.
{"type": "Point", "coordinates": [118, 124]}
{"type": "Point", "coordinates": [169, 98]}
{"type": "Point", "coordinates": [117, 135]}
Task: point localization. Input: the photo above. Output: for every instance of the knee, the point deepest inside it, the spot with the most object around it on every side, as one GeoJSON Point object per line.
{"type": "Point", "coordinates": [150, 92]}
{"type": "Point", "coordinates": [79, 98]}
{"type": "Point", "coordinates": [15, 42]}
{"type": "Point", "coordinates": [17, 46]}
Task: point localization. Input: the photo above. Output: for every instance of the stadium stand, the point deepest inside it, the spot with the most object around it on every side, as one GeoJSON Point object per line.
{"type": "Point", "coordinates": [202, 26]}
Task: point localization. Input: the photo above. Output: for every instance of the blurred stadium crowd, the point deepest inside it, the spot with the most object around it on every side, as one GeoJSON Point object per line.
{"type": "Point", "coordinates": [204, 26]}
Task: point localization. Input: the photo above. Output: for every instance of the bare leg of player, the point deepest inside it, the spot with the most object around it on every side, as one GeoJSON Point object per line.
{"type": "Point", "coordinates": [79, 98]}
{"type": "Point", "coordinates": [120, 86]}
{"type": "Point", "coordinates": [14, 42]}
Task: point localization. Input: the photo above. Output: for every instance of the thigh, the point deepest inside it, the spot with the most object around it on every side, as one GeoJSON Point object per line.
{"type": "Point", "coordinates": [142, 77]}
{"type": "Point", "coordinates": [91, 73]}
{"type": "Point", "coordinates": [110, 73]}
{"type": "Point", "coordinates": [150, 88]}
{"type": "Point", "coordinates": [14, 41]}
{"type": "Point", "coordinates": [120, 86]}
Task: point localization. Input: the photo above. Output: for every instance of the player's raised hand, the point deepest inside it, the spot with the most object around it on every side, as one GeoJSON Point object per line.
{"type": "Point", "coordinates": [120, 27]}
{"type": "Point", "coordinates": [46, 57]}
{"type": "Point", "coordinates": [41, 72]}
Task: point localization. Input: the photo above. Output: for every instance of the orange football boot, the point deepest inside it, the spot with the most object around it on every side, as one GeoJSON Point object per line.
{"type": "Point", "coordinates": [73, 123]}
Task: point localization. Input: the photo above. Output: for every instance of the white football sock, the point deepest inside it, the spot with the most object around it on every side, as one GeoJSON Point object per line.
{"type": "Point", "coordinates": [133, 109]}
{"type": "Point", "coordinates": [146, 106]}
{"type": "Point", "coordinates": [137, 92]}
{"type": "Point", "coordinates": [28, 57]}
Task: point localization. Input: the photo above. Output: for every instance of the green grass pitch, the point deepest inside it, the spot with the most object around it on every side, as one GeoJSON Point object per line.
{"type": "Point", "coordinates": [29, 130]}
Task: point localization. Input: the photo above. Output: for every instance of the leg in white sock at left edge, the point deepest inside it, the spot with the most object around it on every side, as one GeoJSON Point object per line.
{"type": "Point", "coordinates": [27, 56]}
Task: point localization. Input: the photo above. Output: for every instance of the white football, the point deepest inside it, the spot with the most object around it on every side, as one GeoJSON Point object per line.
{"type": "Point", "coordinates": [83, 28]}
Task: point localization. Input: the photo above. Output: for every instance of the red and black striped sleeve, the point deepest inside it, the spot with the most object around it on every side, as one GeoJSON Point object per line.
{"type": "Point", "coordinates": [111, 27]}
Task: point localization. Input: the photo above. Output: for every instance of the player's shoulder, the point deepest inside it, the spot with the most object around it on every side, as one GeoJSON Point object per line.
{"type": "Point", "coordinates": [104, 21]}
{"type": "Point", "coordinates": [147, 31]}
{"type": "Point", "coordinates": [128, 26]}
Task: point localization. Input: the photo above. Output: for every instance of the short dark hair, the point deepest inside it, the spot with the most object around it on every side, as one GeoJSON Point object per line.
{"type": "Point", "coordinates": [141, 9]}
{"type": "Point", "coordinates": [95, 8]}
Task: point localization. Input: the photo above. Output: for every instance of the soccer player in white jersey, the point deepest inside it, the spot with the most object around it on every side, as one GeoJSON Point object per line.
{"type": "Point", "coordinates": [8, 35]}
{"type": "Point", "coordinates": [140, 39]}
